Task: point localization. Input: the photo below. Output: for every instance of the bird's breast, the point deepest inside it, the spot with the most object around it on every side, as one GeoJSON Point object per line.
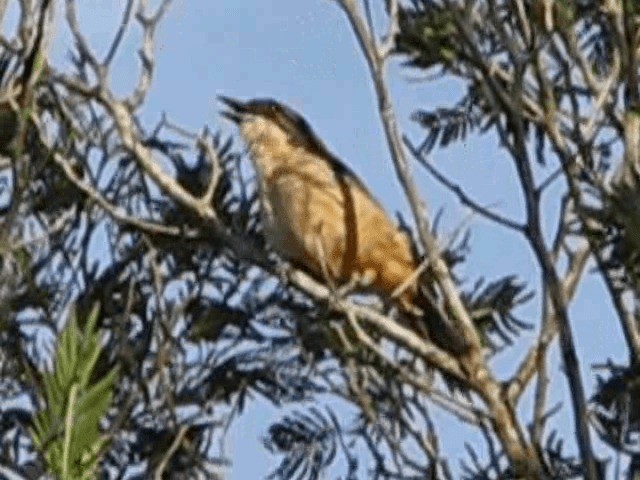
{"type": "Point", "coordinates": [300, 199]}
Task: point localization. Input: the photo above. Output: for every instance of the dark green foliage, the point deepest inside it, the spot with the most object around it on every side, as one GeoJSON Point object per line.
{"type": "Point", "coordinates": [617, 407]}
{"type": "Point", "coordinates": [616, 228]}
{"type": "Point", "coordinates": [446, 126]}
{"type": "Point", "coordinates": [310, 442]}
{"type": "Point", "coordinates": [492, 307]}
{"type": "Point", "coordinates": [428, 35]}
{"type": "Point", "coordinates": [525, 69]}
{"type": "Point", "coordinates": [559, 464]}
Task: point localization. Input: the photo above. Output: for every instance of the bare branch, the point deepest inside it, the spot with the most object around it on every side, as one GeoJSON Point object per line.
{"type": "Point", "coordinates": [548, 330]}
{"type": "Point", "coordinates": [462, 196]}
{"type": "Point", "coordinates": [149, 22]}
{"type": "Point", "coordinates": [177, 441]}
{"type": "Point", "coordinates": [503, 417]}
{"type": "Point", "coordinates": [122, 28]}
{"type": "Point", "coordinates": [83, 46]}
{"type": "Point", "coordinates": [376, 65]}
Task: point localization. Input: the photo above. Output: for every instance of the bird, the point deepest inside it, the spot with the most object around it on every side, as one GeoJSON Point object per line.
{"type": "Point", "coordinates": [319, 215]}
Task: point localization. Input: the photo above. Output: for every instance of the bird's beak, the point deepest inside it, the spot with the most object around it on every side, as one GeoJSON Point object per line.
{"type": "Point", "coordinates": [237, 109]}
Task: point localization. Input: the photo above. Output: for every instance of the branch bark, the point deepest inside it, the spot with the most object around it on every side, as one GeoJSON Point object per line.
{"type": "Point", "coordinates": [505, 423]}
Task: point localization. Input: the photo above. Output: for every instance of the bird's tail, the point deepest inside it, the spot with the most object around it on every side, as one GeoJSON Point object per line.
{"type": "Point", "coordinates": [436, 324]}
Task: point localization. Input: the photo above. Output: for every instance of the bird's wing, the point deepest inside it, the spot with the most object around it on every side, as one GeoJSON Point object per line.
{"type": "Point", "coordinates": [342, 171]}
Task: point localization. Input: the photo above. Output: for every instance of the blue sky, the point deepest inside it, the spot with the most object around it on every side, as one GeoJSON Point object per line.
{"type": "Point", "coordinates": [304, 53]}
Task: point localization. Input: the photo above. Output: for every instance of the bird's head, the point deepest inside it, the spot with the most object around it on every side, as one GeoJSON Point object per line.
{"type": "Point", "coordinates": [267, 121]}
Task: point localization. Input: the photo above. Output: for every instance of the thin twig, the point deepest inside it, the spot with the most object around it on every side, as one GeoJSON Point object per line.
{"type": "Point", "coordinates": [461, 194]}
{"type": "Point", "coordinates": [177, 441]}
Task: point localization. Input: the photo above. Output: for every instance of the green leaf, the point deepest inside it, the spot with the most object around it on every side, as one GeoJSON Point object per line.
{"type": "Point", "coordinates": [67, 429]}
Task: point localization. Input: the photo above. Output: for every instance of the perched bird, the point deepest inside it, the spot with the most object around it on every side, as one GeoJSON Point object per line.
{"type": "Point", "coordinates": [317, 213]}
